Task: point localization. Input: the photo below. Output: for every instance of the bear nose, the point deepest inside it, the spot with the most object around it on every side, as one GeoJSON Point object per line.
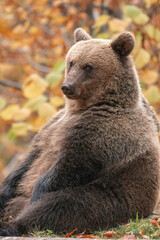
{"type": "Point", "coordinates": [67, 89]}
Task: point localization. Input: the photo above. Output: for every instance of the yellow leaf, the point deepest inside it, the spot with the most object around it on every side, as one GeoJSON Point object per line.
{"type": "Point", "coordinates": [131, 11]}
{"type": "Point", "coordinates": [59, 66]}
{"type": "Point", "coordinates": [103, 19]}
{"type": "Point", "coordinates": [35, 103]}
{"type": "Point", "coordinates": [34, 30]}
{"type": "Point", "coordinates": [59, 20]}
{"type": "Point", "coordinates": [150, 2]}
{"type": "Point", "coordinates": [19, 29]}
{"type": "Point", "coordinates": [2, 103]}
{"type": "Point", "coordinates": [21, 114]}
{"type": "Point", "coordinates": [8, 112]}
{"type": "Point", "coordinates": [152, 32]}
{"type": "Point", "coordinates": [138, 43]}
{"type": "Point", "coordinates": [149, 76]}
{"type": "Point", "coordinates": [117, 25]}
{"type": "Point", "coordinates": [37, 123]}
{"type": "Point", "coordinates": [142, 58]}
{"type": "Point", "coordinates": [138, 39]}
{"type": "Point", "coordinates": [34, 86]}
{"type": "Point", "coordinates": [102, 35]}
{"type": "Point", "coordinates": [19, 129]}
{"type": "Point", "coordinates": [21, 43]}
{"type": "Point", "coordinates": [141, 19]}
{"type": "Point", "coordinates": [23, 15]}
{"type": "Point", "coordinates": [47, 12]}
{"type": "Point", "coordinates": [152, 94]}
{"type": "Point", "coordinates": [57, 101]}
{"type": "Point", "coordinates": [46, 110]}
{"type": "Point", "coordinates": [54, 78]}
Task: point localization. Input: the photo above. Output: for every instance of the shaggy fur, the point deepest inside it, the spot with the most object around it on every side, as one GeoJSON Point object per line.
{"type": "Point", "coordinates": [96, 163]}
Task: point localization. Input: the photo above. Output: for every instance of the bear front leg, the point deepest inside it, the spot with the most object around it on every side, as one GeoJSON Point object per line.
{"type": "Point", "coordinates": [5, 232]}
{"type": "Point", "coordinates": [43, 185]}
{"type": "Point", "coordinates": [8, 230]}
{"type": "Point", "coordinates": [65, 175]}
{"type": "Point", "coordinates": [58, 177]}
{"type": "Point", "coordinates": [9, 187]}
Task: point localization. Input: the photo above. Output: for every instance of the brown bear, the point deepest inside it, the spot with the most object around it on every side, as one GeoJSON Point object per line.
{"type": "Point", "coordinates": [96, 163]}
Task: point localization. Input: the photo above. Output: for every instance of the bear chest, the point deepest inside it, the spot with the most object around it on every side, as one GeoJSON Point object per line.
{"type": "Point", "coordinates": [50, 143]}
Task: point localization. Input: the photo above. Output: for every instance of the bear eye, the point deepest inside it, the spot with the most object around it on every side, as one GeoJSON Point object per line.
{"type": "Point", "coordinates": [88, 68]}
{"type": "Point", "coordinates": [70, 65]}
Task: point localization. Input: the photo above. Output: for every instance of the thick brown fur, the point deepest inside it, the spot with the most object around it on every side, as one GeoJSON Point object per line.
{"type": "Point", "coordinates": [96, 163]}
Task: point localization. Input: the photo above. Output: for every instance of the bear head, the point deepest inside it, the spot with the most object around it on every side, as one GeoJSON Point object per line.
{"type": "Point", "coordinates": [101, 70]}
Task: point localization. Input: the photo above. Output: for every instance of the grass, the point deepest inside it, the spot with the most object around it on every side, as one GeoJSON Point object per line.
{"type": "Point", "coordinates": [146, 229]}
{"type": "Point", "coordinates": [47, 233]}
{"type": "Point", "coordinates": [140, 228]}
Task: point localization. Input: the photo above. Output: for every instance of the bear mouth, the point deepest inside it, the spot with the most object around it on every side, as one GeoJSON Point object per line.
{"type": "Point", "coordinates": [71, 96]}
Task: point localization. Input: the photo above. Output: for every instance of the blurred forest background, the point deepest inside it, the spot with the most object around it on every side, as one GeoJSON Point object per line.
{"type": "Point", "coordinates": [34, 39]}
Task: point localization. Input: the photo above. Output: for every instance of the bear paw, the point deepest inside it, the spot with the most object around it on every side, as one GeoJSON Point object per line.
{"type": "Point", "coordinates": [5, 232]}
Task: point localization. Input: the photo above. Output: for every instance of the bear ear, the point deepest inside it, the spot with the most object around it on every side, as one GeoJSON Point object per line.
{"type": "Point", "coordinates": [80, 34]}
{"type": "Point", "coordinates": [123, 44]}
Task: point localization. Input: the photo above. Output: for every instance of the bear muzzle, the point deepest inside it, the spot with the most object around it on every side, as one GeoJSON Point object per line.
{"type": "Point", "coordinates": [67, 89]}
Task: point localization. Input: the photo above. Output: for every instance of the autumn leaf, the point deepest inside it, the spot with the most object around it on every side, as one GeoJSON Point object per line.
{"type": "Point", "coordinates": [155, 221]}
{"type": "Point", "coordinates": [150, 2]}
{"type": "Point", "coordinates": [141, 19]}
{"type": "Point", "coordinates": [37, 123]}
{"type": "Point", "coordinates": [109, 234]}
{"type": "Point", "coordinates": [136, 14]}
{"type": "Point", "coordinates": [60, 20]}
{"type": "Point", "coordinates": [19, 29]}
{"type": "Point", "coordinates": [149, 76]}
{"type": "Point", "coordinates": [46, 110]}
{"type": "Point", "coordinates": [21, 114]}
{"type": "Point", "coordinates": [117, 25]}
{"type": "Point", "coordinates": [103, 19]}
{"type": "Point", "coordinates": [102, 35]}
{"type": "Point", "coordinates": [59, 66]}
{"type": "Point", "coordinates": [57, 101]}
{"type": "Point", "coordinates": [8, 112]}
{"type": "Point", "coordinates": [34, 30]}
{"type": "Point", "coordinates": [152, 94]}
{"type": "Point", "coordinates": [88, 236]}
{"type": "Point", "coordinates": [2, 103]}
{"type": "Point", "coordinates": [71, 233]}
{"type": "Point", "coordinates": [131, 11]}
{"type": "Point", "coordinates": [54, 79]}
{"type": "Point", "coordinates": [19, 129]}
{"type": "Point", "coordinates": [131, 236]}
{"type": "Point", "coordinates": [35, 103]}
{"type": "Point", "coordinates": [34, 86]}
{"type": "Point", "coordinates": [142, 58]}
{"type": "Point", "coordinates": [144, 236]}
{"type": "Point", "coordinates": [152, 32]}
